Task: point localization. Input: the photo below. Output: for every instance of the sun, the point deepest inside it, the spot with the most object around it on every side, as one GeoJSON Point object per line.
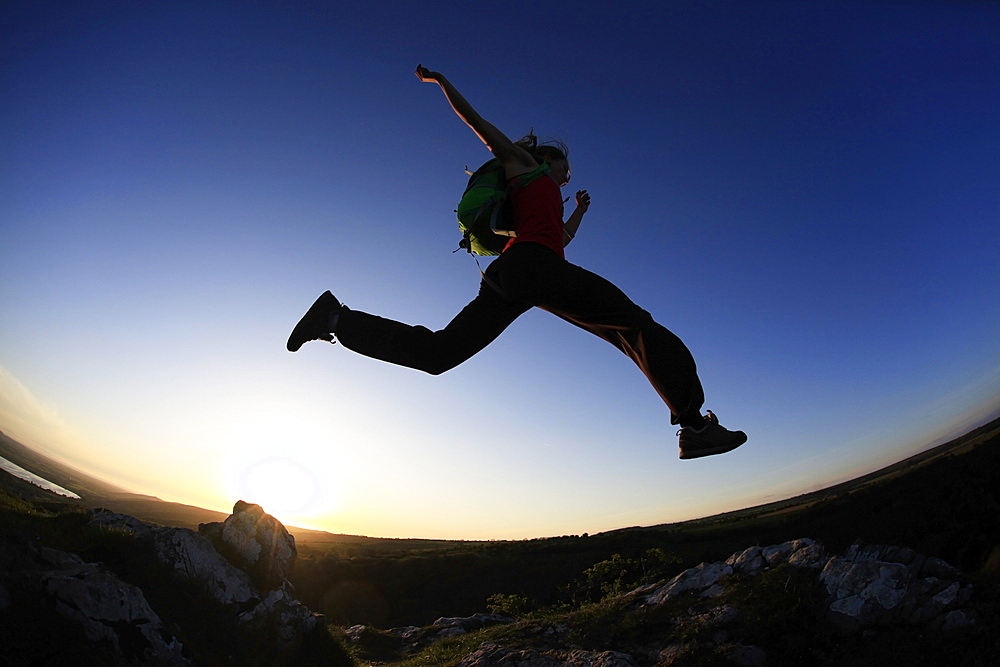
{"type": "Point", "coordinates": [284, 487]}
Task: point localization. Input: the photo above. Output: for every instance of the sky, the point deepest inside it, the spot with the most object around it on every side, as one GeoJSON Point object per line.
{"type": "Point", "coordinates": [807, 193]}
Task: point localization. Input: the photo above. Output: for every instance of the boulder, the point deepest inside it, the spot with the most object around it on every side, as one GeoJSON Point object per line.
{"type": "Point", "coordinates": [696, 578]}
{"type": "Point", "coordinates": [193, 557]}
{"type": "Point", "coordinates": [867, 586]}
{"type": "Point", "coordinates": [886, 585]}
{"type": "Point", "coordinates": [808, 554]}
{"type": "Point", "coordinates": [749, 561]}
{"type": "Point", "coordinates": [776, 554]}
{"type": "Point", "coordinates": [258, 547]}
{"type": "Point", "coordinates": [255, 542]}
{"type": "Point", "coordinates": [110, 610]}
{"type": "Point", "coordinates": [279, 609]}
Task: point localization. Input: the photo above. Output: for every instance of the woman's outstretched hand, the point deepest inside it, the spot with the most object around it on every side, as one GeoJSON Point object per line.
{"type": "Point", "coordinates": [582, 199]}
{"type": "Point", "coordinates": [426, 75]}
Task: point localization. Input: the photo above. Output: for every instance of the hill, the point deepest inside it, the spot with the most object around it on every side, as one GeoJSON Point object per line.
{"type": "Point", "coordinates": [739, 588]}
{"type": "Point", "coordinates": [95, 493]}
{"type": "Point", "coordinates": [944, 502]}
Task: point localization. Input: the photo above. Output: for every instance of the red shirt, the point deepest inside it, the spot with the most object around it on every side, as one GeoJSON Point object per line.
{"type": "Point", "coordinates": [538, 211]}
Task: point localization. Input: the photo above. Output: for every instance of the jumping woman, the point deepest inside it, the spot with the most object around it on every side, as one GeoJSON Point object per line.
{"type": "Point", "coordinates": [532, 272]}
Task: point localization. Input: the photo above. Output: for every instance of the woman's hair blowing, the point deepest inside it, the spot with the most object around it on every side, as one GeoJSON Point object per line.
{"type": "Point", "coordinates": [549, 151]}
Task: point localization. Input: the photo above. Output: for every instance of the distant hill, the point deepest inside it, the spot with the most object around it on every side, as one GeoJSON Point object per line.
{"type": "Point", "coordinates": [943, 503]}
{"type": "Point", "coordinates": [960, 445]}
{"type": "Point", "coordinates": [97, 493]}
{"type": "Point", "coordinates": [65, 476]}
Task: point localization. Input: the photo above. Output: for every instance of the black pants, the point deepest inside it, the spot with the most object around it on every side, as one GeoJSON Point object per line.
{"type": "Point", "coordinates": [532, 275]}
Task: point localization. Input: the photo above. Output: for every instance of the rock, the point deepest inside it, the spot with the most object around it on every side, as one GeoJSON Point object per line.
{"type": "Point", "coordinates": [490, 654]}
{"type": "Point", "coordinates": [279, 609]}
{"type": "Point", "coordinates": [750, 561]}
{"type": "Point", "coordinates": [777, 554]}
{"type": "Point", "coordinates": [251, 538]}
{"type": "Point", "coordinates": [671, 654]}
{"type": "Point", "coordinates": [808, 554]}
{"type": "Point", "coordinates": [713, 591]}
{"type": "Point", "coordinates": [800, 553]}
{"type": "Point", "coordinates": [716, 617]}
{"type": "Point", "coordinates": [878, 586]}
{"type": "Point", "coordinates": [693, 579]}
{"type": "Point", "coordinates": [110, 610]}
{"type": "Point", "coordinates": [958, 619]}
{"type": "Point", "coordinates": [120, 522]}
{"type": "Point", "coordinates": [556, 630]}
{"type": "Point", "coordinates": [193, 558]}
{"type": "Point", "coordinates": [474, 622]}
{"type": "Point", "coordinates": [406, 633]}
{"type": "Point", "coordinates": [255, 542]}
{"type": "Point", "coordinates": [580, 658]}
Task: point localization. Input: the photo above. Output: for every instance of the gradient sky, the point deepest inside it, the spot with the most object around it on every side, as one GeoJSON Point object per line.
{"type": "Point", "coordinates": [808, 193]}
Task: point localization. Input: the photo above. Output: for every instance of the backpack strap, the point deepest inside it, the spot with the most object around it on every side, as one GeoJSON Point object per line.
{"type": "Point", "coordinates": [529, 176]}
{"type": "Point", "coordinates": [515, 183]}
{"type": "Point", "coordinates": [492, 283]}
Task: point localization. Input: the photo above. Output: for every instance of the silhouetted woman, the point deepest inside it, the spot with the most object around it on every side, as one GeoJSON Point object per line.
{"type": "Point", "coordinates": [532, 272]}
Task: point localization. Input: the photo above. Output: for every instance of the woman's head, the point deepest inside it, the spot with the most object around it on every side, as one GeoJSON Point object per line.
{"type": "Point", "coordinates": [555, 153]}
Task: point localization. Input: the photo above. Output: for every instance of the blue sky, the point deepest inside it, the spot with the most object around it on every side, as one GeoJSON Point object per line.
{"type": "Point", "coordinates": [806, 192]}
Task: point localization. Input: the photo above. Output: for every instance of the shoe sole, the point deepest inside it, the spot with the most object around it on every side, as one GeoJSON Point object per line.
{"type": "Point", "coordinates": [301, 334]}
{"type": "Point", "coordinates": [710, 451]}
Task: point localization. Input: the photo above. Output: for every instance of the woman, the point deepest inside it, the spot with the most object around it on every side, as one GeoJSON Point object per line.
{"type": "Point", "coordinates": [532, 272]}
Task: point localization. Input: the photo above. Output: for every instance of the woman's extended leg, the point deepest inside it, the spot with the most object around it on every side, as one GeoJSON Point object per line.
{"type": "Point", "coordinates": [434, 352]}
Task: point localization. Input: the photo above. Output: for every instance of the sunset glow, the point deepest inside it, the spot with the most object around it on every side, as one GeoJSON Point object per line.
{"type": "Point", "coordinates": [804, 192]}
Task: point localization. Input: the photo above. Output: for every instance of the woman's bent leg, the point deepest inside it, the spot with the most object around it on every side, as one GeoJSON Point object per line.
{"type": "Point", "coordinates": [597, 305]}
{"type": "Point", "coordinates": [434, 352]}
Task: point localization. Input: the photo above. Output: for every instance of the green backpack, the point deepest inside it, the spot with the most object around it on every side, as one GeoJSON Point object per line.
{"type": "Point", "coordinates": [484, 218]}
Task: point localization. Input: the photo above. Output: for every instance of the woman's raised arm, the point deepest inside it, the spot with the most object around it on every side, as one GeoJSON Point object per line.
{"type": "Point", "coordinates": [515, 159]}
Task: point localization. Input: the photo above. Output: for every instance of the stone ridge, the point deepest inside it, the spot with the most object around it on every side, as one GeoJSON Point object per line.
{"type": "Point", "coordinates": [867, 587]}
{"type": "Point", "coordinates": [258, 547]}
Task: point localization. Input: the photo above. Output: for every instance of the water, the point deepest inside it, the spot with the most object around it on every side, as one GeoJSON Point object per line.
{"type": "Point", "coordinates": [27, 476]}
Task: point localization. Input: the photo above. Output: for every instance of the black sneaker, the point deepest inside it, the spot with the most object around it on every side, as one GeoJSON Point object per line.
{"type": "Point", "coordinates": [710, 439]}
{"type": "Point", "coordinates": [315, 324]}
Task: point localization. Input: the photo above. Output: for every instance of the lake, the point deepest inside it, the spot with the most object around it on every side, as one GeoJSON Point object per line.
{"type": "Point", "coordinates": [27, 476]}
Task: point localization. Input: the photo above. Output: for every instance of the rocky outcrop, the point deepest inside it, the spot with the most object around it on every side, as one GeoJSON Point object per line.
{"type": "Point", "coordinates": [866, 588]}
{"type": "Point", "coordinates": [258, 547]}
{"type": "Point", "coordinates": [255, 542]}
{"type": "Point", "coordinates": [108, 609]}
{"type": "Point", "coordinates": [885, 585]}
{"type": "Point", "coordinates": [191, 556]}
